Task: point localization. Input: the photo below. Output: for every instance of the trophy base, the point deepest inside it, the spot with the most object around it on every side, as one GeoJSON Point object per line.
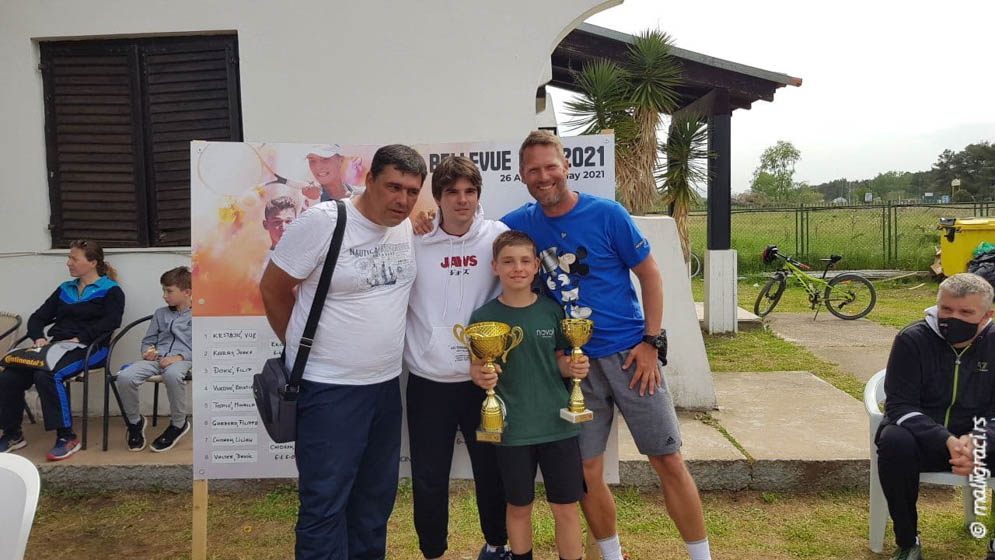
{"type": "Point", "coordinates": [576, 417]}
{"type": "Point", "coordinates": [492, 437]}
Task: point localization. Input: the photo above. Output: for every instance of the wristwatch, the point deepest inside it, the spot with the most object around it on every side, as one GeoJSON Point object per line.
{"type": "Point", "coordinates": [660, 343]}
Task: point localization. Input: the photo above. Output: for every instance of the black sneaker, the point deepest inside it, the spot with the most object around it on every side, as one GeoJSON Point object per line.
{"type": "Point", "coordinates": [136, 435]}
{"type": "Point", "coordinates": [168, 439]}
{"type": "Point", "coordinates": [10, 442]}
{"type": "Point", "coordinates": [913, 552]}
{"type": "Point", "coordinates": [503, 553]}
{"type": "Point", "coordinates": [991, 550]}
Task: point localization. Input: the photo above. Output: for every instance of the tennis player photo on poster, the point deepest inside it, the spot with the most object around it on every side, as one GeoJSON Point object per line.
{"type": "Point", "coordinates": [243, 197]}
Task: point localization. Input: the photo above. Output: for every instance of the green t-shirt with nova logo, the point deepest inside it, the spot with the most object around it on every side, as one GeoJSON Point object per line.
{"type": "Point", "coordinates": [530, 383]}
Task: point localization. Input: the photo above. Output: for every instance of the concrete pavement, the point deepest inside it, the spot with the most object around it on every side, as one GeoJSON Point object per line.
{"type": "Point", "coordinates": [860, 347]}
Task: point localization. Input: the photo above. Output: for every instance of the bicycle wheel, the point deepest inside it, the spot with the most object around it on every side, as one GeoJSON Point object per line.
{"type": "Point", "coordinates": [850, 296]}
{"type": "Point", "coordinates": [770, 295]}
{"type": "Point", "coordinates": [694, 265]}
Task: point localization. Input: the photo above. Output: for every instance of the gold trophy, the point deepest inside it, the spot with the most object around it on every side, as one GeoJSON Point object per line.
{"type": "Point", "coordinates": [488, 341]}
{"type": "Point", "coordinates": [578, 332]}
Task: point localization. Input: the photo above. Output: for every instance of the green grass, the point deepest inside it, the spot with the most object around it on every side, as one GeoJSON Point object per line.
{"type": "Point", "coordinates": [259, 525]}
{"type": "Point", "coordinates": [899, 302]}
{"type": "Point", "coordinates": [854, 233]}
{"type": "Point", "coordinates": [762, 350]}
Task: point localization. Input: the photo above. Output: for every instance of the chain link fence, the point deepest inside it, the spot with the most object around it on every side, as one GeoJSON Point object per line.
{"type": "Point", "coordinates": [885, 236]}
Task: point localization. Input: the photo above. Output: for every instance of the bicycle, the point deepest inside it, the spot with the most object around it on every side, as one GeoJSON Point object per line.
{"type": "Point", "coordinates": [844, 295]}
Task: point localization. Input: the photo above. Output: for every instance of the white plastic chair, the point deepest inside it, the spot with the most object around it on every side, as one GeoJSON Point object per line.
{"type": "Point", "coordinates": [19, 485]}
{"type": "Point", "coordinates": [874, 394]}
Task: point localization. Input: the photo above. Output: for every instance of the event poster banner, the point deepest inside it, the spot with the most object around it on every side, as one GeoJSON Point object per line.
{"type": "Point", "coordinates": [243, 195]}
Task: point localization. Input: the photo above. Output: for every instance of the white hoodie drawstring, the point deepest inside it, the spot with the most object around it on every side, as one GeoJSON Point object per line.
{"type": "Point", "coordinates": [462, 251]}
{"type": "Point", "coordinates": [445, 306]}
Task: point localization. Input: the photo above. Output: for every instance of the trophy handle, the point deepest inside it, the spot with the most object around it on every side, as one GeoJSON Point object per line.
{"type": "Point", "coordinates": [516, 338]}
{"type": "Point", "coordinates": [459, 331]}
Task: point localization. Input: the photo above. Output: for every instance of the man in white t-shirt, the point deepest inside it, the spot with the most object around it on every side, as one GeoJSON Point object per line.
{"type": "Point", "coordinates": [349, 408]}
{"type": "Point", "coordinates": [454, 278]}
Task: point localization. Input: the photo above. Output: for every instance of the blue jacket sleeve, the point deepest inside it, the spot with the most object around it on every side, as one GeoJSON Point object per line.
{"type": "Point", "coordinates": [43, 316]}
{"type": "Point", "coordinates": [110, 320]}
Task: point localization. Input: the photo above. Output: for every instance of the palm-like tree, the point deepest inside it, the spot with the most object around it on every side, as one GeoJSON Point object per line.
{"type": "Point", "coordinates": [655, 76]}
{"type": "Point", "coordinates": [629, 98]}
{"type": "Point", "coordinates": [686, 151]}
{"type": "Point", "coordinates": [605, 105]}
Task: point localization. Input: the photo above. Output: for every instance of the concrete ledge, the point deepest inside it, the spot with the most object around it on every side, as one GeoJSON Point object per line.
{"type": "Point", "coordinates": [116, 477]}
{"type": "Point", "coordinates": [143, 477]}
{"type": "Point", "coordinates": [766, 476]}
{"type": "Point", "coordinates": [710, 475]}
{"type": "Point", "coordinates": [809, 476]}
{"type": "Point", "coordinates": [745, 319]}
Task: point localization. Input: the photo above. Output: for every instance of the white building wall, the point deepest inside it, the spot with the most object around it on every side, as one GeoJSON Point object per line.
{"type": "Point", "coordinates": [310, 70]}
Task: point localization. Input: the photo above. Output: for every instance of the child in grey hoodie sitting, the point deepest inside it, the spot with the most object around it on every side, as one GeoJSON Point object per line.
{"type": "Point", "coordinates": [166, 351]}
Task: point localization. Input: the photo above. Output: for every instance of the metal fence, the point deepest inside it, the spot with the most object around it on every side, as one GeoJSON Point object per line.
{"type": "Point", "coordinates": [882, 236]}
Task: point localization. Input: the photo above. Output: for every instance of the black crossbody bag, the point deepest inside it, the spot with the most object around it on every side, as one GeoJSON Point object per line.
{"type": "Point", "coordinates": [275, 389]}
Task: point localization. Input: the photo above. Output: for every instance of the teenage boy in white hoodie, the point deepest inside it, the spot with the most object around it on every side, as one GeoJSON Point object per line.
{"type": "Point", "coordinates": [453, 279]}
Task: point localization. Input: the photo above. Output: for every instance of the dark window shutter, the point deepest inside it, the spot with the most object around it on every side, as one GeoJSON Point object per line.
{"type": "Point", "coordinates": [191, 93]}
{"type": "Point", "coordinates": [119, 118]}
{"type": "Point", "coordinates": [93, 133]}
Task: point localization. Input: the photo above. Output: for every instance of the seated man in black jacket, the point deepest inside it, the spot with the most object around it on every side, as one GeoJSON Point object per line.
{"type": "Point", "coordinates": [939, 393]}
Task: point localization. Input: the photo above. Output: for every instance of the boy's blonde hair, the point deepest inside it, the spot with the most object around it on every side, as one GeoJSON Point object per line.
{"type": "Point", "coordinates": [512, 238]}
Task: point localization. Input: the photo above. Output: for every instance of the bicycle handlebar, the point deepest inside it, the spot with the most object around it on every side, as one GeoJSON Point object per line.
{"type": "Point", "coordinates": [791, 260]}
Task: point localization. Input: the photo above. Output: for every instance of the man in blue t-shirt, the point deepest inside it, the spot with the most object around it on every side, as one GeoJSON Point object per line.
{"type": "Point", "coordinates": [587, 247]}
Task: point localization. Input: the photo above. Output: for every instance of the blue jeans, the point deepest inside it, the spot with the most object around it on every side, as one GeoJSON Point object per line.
{"type": "Point", "coordinates": [348, 449]}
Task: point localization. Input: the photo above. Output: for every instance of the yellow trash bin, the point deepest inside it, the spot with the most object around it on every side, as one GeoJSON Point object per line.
{"type": "Point", "coordinates": [958, 240]}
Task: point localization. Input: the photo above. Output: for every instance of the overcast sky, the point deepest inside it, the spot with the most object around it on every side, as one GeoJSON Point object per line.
{"type": "Point", "coordinates": [888, 85]}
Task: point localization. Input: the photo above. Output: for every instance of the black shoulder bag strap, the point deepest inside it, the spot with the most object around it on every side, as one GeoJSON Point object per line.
{"type": "Point", "coordinates": [307, 338]}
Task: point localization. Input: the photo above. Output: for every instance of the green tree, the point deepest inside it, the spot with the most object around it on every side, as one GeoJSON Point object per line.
{"type": "Point", "coordinates": [805, 194]}
{"type": "Point", "coordinates": [629, 99]}
{"type": "Point", "coordinates": [775, 175]}
{"type": "Point", "coordinates": [604, 105]}
{"type": "Point", "coordinates": [655, 76]}
{"type": "Point", "coordinates": [974, 166]}
{"type": "Point", "coordinates": [834, 189]}
{"type": "Point", "coordinates": [686, 151]}
{"type": "Point", "coordinates": [943, 172]}
{"type": "Point", "coordinates": [890, 182]}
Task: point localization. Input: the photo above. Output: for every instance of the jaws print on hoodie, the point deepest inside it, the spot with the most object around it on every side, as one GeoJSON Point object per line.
{"type": "Point", "coordinates": [454, 278]}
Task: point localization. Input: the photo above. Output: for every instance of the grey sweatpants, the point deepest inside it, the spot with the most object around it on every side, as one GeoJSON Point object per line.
{"type": "Point", "coordinates": [130, 380]}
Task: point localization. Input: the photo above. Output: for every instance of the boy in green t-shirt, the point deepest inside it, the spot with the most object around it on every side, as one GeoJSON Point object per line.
{"type": "Point", "coordinates": [532, 388]}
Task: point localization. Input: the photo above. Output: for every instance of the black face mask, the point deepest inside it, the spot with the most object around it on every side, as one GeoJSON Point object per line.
{"type": "Point", "coordinates": [956, 331]}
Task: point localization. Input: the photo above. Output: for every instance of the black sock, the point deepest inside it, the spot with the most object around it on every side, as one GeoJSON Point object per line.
{"type": "Point", "coordinates": [526, 556]}
{"type": "Point", "coordinates": [64, 433]}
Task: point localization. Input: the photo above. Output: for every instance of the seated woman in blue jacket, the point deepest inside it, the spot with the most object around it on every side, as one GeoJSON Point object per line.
{"type": "Point", "coordinates": [80, 311]}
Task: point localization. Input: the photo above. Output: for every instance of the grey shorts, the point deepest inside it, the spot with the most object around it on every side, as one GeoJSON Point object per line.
{"type": "Point", "coordinates": [651, 418]}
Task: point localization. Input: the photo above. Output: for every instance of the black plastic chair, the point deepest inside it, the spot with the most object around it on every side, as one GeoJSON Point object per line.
{"type": "Point", "coordinates": [110, 385]}
{"type": "Point", "coordinates": [12, 330]}
{"type": "Point", "coordinates": [83, 376]}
